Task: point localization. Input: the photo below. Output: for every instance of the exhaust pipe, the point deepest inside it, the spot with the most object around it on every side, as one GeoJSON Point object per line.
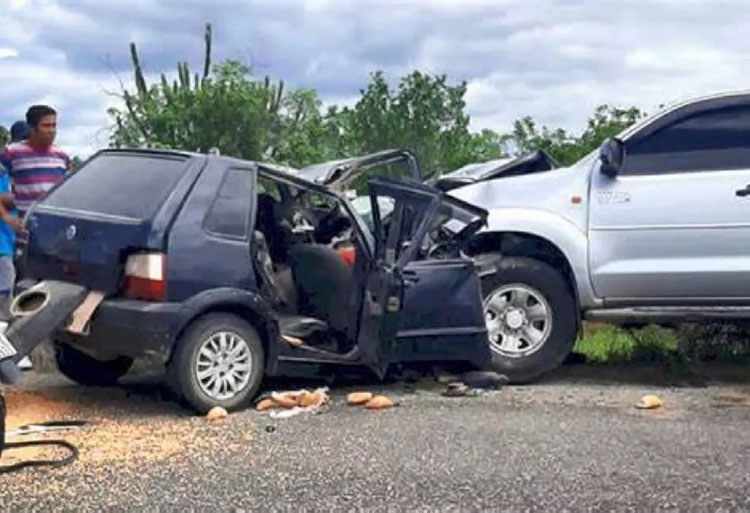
{"type": "Point", "coordinates": [30, 301]}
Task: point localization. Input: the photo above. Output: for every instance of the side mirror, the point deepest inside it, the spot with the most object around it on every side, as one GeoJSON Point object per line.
{"type": "Point", "coordinates": [611, 157]}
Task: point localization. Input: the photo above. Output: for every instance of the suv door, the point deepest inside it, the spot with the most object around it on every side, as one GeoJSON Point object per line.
{"type": "Point", "coordinates": [674, 225]}
{"type": "Point", "coordinates": [416, 209]}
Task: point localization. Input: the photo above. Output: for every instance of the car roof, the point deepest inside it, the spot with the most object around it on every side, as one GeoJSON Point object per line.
{"type": "Point", "coordinates": [333, 171]}
{"type": "Point", "coordinates": [191, 154]}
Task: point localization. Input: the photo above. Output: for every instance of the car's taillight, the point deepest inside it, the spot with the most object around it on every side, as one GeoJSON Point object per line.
{"type": "Point", "coordinates": [146, 276]}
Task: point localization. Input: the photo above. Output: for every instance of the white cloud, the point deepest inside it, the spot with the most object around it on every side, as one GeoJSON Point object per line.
{"type": "Point", "coordinates": [6, 53]}
{"type": "Point", "coordinates": [555, 60]}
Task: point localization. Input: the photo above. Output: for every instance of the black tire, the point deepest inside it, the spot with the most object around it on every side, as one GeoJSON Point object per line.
{"type": "Point", "coordinates": [85, 370]}
{"type": "Point", "coordinates": [554, 288]}
{"type": "Point", "coordinates": [180, 369]}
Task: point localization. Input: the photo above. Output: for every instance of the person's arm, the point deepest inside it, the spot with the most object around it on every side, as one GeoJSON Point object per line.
{"type": "Point", "coordinates": [7, 201]}
{"type": "Point", "coordinates": [10, 219]}
{"type": "Point", "coordinates": [6, 197]}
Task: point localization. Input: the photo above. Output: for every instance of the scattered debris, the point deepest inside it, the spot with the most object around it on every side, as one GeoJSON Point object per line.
{"type": "Point", "coordinates": [459, 389]}
{"type": "Point", "coordinates": [379, 402]}
{"type": "Point", "coordinates": [45, 427]}
{"type": "Point", "coordinates": [314, 399]}
{"type": "Point", "coordinates": [282, 405]}
{"type": "Point", "coordinates": [155, 435]}
{"type": "Point", "coordinates": [455, 389]}
{"type": "Point", "coordinates": [285, 414]}
{"type": "Point", "coordinates": [216, 413]}
{"type": "Point", "coordinates": [358, 398]}
{"type": "Point", "coordinates": [285, 400]}
{"type": "Point", "coordinates": [484, 379]}
{"type": "Point", "coordinates": [265, 404]}
{"type": "Point", "coordinates": [649, 402]}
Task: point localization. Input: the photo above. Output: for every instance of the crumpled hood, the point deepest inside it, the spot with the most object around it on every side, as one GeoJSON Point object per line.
{"type": "Point", "coordinates": [551, 190]}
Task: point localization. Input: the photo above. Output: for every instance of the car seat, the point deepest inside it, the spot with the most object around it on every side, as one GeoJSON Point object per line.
{"type": "Point", "coordinates": [323, 283]}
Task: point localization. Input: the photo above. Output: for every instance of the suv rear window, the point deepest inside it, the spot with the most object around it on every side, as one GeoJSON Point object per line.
{"type": "Point", "coordinates": [122, 185]}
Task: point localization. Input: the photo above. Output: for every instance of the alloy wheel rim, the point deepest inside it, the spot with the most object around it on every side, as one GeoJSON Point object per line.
{"type": "Point", "coordinates": [223, 365]}
{"type": "Point", "coordinates": [518, 319]}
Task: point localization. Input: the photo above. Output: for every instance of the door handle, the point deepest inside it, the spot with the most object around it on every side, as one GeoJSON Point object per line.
{"type": "Point", "coordinates": [743, 192]}
{"type": "Point", "coordinates": [410, 276]}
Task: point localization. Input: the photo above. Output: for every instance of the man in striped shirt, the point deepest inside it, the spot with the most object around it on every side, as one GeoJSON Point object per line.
{"type": "Point", "coordinates": [35, 165]}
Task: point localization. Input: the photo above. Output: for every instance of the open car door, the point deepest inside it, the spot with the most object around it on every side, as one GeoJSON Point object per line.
{"type": "Point", "coordinates": [417, 209]}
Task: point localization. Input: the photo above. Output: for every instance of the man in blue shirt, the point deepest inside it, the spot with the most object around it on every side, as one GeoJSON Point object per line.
{"type": "Point", "coordinates": [9, 225]}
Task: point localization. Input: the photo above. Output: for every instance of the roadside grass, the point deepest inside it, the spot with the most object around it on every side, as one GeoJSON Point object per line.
{"type": "Point", "coordinates": [606, 344]}
{"type": "Point", "coordinates": [603, 344]}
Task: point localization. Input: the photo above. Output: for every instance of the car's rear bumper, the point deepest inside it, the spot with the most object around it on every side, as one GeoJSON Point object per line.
{"type": "Point", "coordinates": [129, 328]}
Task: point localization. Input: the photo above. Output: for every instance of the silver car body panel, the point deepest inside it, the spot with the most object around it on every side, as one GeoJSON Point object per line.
{"type": "Point", "coordinates": [664, 238]}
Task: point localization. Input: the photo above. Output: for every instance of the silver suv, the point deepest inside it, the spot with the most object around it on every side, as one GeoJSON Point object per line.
{"type": "Point", "coordinates": [653, 227]}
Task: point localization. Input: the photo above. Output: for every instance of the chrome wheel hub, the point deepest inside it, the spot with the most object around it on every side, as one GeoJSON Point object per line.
{"type": "Point", "coordinates": [518, 319]}
{"type": "Point", "coordinates": [223, 365]}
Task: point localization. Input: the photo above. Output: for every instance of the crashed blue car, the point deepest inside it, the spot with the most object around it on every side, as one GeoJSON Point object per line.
{"type": "Point", "coordinates": [230, 270]}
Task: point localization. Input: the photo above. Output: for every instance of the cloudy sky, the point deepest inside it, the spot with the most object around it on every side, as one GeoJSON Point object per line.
{"type": "Point", "coordinates": [552, 59]}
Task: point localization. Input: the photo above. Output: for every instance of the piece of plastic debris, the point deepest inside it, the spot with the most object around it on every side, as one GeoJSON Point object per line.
{"type": "Point", "coordinates": [358, 398]}
{"type": "Point", "coordinates": [265, 404]}
{"type": "Point", "coordinates": [484, 379]}
{"type": "Point", "coordinates": [649, 402]}
{"type": "Point", "coordinates": [456, 389]}
{"type": "Point", "coordinates": [216, 413]}
{"type": "Point", "coordinates": [379, 402]}
{"type": "Point", "coordinates": [285, 414]}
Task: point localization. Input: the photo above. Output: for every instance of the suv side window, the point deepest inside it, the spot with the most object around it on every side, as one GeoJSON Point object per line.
{"type": "Point", "coordinates": [711, 140]}
{"type": "Point", "coordinates": [230, 213]}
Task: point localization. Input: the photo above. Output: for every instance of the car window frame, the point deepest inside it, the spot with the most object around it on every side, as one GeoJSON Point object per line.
{"type": "Point", "coordinates": [682, 115]}
{"type": "Point", "coordinates": [251, 205]}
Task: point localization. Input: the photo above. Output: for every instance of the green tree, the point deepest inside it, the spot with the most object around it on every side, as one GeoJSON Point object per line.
{"type": "Point", "coordinates": [424, 114]}
{"type": "Point", "coordinates": [223, 107]}
{"type": "Point", "coordinates": [4, 136]}
{"type": "Point", "coordinates": [563, 146]}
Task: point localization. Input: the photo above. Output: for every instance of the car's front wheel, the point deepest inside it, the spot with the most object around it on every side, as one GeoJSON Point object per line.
{"type": "Point", "coordinates": [530, 314]}
{"type": "Point", "coordinates": [219, 361]}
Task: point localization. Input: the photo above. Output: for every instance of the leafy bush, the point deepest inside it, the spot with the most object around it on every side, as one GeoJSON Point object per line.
{"type": "Point", "coordinates": [688, 344]}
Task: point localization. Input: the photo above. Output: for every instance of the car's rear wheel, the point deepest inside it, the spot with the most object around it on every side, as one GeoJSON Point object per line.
{"type": "Point", "coordinates": [219, 361]}
{"type": "Point", "coordinates": [86, 370]}
{"type": "Point", "coordinates": [531, 318]}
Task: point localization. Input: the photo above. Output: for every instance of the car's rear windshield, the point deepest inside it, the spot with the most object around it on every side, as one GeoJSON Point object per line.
{"type": "Point", "coordinates": [129, 185]}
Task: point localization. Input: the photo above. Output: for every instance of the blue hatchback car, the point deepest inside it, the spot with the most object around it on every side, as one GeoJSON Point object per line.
{"type": "Point", "coordinates": [231, 270]}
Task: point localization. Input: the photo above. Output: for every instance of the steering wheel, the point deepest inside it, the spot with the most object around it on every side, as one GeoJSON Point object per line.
{"type": "Point", "coordinates": [331, 225]}
{"type": "Point", "coordinates": [444, 249]}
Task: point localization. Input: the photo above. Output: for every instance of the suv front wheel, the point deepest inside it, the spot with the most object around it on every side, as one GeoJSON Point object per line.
{"type": "Point", "coordinates": [219, 361]}
{"type": "Point", "coordinates": [531, 318]}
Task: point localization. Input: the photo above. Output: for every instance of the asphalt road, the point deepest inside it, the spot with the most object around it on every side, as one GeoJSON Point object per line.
{"type": "Point", "coordinates": [574, 442]}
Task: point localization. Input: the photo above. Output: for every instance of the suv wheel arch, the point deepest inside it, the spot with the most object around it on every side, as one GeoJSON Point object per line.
{"type": "Point", "coordinates": [518, 244]}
